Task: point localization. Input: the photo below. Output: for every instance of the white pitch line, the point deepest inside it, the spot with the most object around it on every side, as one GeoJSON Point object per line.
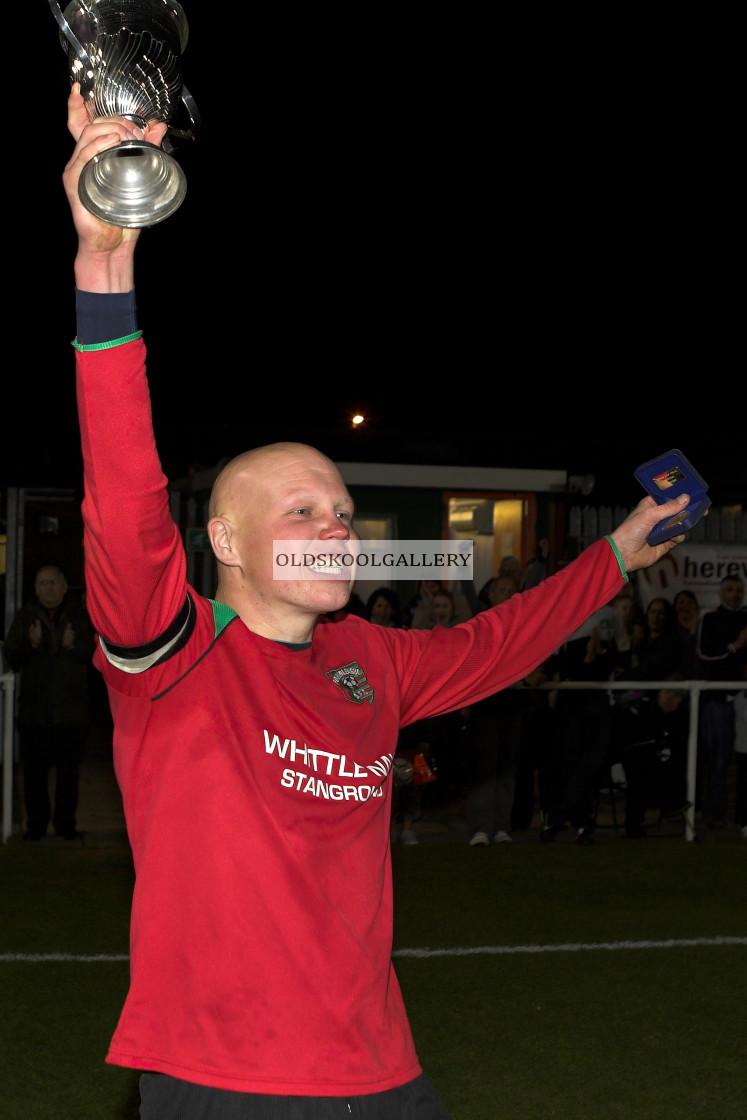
{"type": "Point", "coordinates": [477, 951]}
{"type": "Point", "coordinates": [35, 958]}
{"type": "Point", "coordinates": [580, 947]}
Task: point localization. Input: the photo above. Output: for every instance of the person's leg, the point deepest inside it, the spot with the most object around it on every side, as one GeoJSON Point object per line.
{"type": "Point", "coordinates": [637, 764]}
{"type": "Point", "coordinates": [674, 781]}
{"type": "Point", "coordinates": [591, 731]}
{"type": "Point", "coordinates": [549, 755]}
{"type": "Point", "coordinates": [36, 759]}
{"type": "Point", "coordinates": [446, 745]}
{"type": "Point", "coordinates": [411, 798]}
{"type": "Point", "coordinates": [567, 755]}
{"type": "Point", "coordinates": [717, 726]}
{"type": "Point", "coordinates": [67, 747]}
{"type": "Point", "coordinates": [522, 812]}
{"type": "Point", "coordinates": [483, 751]}
{"type": "Point", "coordinates": [597, 738]}
{"type": "Point", "coordinates": [740, 796]}
{"type": "Point", "coordinates": [529, 791]}
{"type": "Point", "coordinates": [510, 738]}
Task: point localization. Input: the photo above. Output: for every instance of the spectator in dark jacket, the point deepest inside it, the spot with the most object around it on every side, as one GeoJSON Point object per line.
{"type": "Point", "coordinates": [50, 642]}
{"type": "Point", "coordinates": [722, 650]}
{"type": "Point", "coordinates": [650, 740]}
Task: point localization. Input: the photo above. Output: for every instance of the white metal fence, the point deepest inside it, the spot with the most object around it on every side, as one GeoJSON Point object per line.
{"type": "Point", "coordinates": [7, 708]}
{"type": "Point", "coordinates": [694, 688]}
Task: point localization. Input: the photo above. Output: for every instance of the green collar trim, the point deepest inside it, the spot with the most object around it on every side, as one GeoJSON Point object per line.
{"type": "Point", "coordinates": [222, 615]}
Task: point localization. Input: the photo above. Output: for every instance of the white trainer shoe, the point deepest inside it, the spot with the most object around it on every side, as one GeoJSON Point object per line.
{"type": "Point", "coordinates": [502, 837]}
{"type": "Point", "coordinates": [479, 839]}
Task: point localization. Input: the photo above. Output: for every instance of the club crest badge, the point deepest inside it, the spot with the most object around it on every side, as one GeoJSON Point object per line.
{"type": "Point", "coordinates": [351, 680]}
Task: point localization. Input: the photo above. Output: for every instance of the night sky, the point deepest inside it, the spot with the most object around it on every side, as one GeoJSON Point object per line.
{"type": "Point", "coordinates": [377, 219]}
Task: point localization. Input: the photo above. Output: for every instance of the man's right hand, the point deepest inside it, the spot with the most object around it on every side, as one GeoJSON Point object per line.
{"type": "Point", "coordinates": [105, 252]}
{"type": "Point", "coordinates": [35, 633]}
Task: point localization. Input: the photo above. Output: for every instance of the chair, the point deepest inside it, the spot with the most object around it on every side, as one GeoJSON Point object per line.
{"type": "Point", "coordinates": [609, 808]}
{"type": "Point", "coordinates": [609, 799]}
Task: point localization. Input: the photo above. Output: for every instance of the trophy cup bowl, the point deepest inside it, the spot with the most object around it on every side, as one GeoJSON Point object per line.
{"type": "Point", "coordinates": [126, 54]}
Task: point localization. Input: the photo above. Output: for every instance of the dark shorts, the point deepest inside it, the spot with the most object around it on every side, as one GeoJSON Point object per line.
{"type": "Point", "coordinates": [168, 1098]}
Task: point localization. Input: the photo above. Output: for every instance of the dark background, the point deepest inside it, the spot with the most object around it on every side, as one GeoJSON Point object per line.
{"type": "Point", "coordinates": [503, 253]}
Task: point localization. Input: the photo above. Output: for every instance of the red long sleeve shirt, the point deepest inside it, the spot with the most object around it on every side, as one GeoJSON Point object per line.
{"type": "Point", "coordinates": [256, 783]}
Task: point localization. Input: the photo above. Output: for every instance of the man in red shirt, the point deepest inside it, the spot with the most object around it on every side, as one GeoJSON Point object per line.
{"type": "Point", "coordinates": [261, 976]}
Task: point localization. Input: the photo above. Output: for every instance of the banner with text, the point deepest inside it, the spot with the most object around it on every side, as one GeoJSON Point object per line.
{"type": "Point", "coordinates": [697, 567]}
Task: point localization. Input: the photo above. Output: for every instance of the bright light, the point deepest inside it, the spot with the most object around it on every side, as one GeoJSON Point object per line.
{"type": "Point", "coordinates": [357, 419]}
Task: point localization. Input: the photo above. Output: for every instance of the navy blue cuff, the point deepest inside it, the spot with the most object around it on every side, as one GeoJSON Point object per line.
{"type": "Point", "coordinates": [104, 316]}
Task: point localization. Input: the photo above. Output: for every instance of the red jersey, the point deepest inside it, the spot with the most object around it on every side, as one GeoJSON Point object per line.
{"type": "Point", "coordinates": [256, 782]}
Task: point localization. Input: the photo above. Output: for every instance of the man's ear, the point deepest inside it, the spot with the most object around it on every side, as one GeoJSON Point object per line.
{"type": "Point", "coordinates": [221, 534]}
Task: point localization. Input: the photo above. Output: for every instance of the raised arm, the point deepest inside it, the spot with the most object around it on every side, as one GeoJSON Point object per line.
{"type": "Point", "coordinates": [135, 565]}
{"type": "Point", "coordinates": [506, 643]}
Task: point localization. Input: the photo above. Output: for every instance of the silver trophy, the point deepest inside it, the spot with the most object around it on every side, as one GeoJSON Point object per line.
{"type": "Point", "coordinates": [127, 54]}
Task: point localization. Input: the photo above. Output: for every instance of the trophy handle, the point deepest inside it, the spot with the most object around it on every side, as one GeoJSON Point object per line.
{"type": "Point", "coordinates": [195, 121]}
{"type": "Point", "coordinates": [86, 77]}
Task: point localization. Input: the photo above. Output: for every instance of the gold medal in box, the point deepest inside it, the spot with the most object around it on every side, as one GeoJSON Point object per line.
{"type": "Point", "coordinates": [666, 477]}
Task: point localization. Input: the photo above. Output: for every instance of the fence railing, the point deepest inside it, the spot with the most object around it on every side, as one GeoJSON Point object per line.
{"type": "Point", "coordinates": [694, 688]}
{"type": "Point", "coordinates": [723, 525]}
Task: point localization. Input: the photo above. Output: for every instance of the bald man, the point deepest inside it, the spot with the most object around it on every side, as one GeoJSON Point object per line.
{"type": "Point", "coordinates": [287, 491]}
{"type": "Point", "coordinates": [254, 739]}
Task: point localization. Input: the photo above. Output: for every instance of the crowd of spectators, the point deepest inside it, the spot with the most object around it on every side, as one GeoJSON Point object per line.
{"type": "Point", "coordinates": [540, 755]}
